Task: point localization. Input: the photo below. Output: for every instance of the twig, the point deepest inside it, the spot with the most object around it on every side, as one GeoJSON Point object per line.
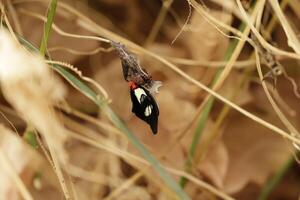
{"type": "Point", "coordinates": [159, 21]}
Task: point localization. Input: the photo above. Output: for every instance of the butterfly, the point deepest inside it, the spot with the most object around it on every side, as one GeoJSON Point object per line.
{"type": "Point", "coordinates": [141, 85]}
{"type": "Point", "coordinates": [144, 105]}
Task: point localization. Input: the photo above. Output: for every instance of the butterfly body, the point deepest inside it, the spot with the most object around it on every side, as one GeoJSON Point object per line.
{"type": "Point", "coordinates": [144, 105]}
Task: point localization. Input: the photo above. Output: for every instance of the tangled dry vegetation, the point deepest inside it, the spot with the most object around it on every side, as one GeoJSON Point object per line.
{"type": "Point", "coordinates": [229, 105]}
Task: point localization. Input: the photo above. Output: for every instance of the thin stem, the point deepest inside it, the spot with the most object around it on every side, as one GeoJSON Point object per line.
{"type": "Point", "coordinates": [159, 21]}
{"type": "Point", "coordinates": [48, 26]}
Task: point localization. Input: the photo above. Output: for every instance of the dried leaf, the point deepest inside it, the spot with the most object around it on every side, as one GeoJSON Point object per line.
{"type": "Point", "coordinates": [254, 153]}
{"type": "Point", "coordinates": [215, 164]}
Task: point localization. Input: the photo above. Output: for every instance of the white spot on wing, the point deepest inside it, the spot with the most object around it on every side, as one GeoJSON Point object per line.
{"type": "Point", "coordinates": [148, 110]}
{"type": "Point", "coordinates": [138, 93]}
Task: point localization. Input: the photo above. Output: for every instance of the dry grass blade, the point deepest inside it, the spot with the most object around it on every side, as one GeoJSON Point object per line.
{"type": "Point", "coordinates": [262, 41]}
{"type": "Point", "coordinates": [159, 21]}
{"type": "Point", "coordinates": [210, 64]}
{"type": "Point", "coordinates": [293, 40]}
{"type": "Point", "coordinates": [277, 110]}
{"type": "Point", "coordinates": [15, 17]}
{"type": "Point", "coordinates": [93, 52]}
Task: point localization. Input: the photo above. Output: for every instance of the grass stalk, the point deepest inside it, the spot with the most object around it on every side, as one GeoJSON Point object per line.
{"type": "Point", "coordinates": [48, 26]}
{"type": "Point", "coordinates": [158, 22]}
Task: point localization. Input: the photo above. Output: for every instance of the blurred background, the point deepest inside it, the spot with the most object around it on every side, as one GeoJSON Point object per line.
{"type": "Point", "coordinates": [197, 135]}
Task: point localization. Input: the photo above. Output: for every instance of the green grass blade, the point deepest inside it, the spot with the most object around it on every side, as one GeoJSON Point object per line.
{"type": "Point", "coordinates": [30, 138]}
{"type": "Point", "coordinates": [29, 134]}
{"type": "Point", "coordinates": [88, 92]}
{"type": "Point", "coordinates": [275, 180]}
{"type": "Point", "coordinates": [48, 26]}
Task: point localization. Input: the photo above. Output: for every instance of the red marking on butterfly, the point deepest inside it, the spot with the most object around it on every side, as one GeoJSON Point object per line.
{"type": "Point", "coordinates": [132, 85]}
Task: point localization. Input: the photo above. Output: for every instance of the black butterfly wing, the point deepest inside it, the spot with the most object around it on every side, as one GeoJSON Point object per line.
{"type": "Point", "coordinates": [134, 101]}
{"type": "Point", "coordinates": [150, 104]}
{"type": "Point", "coordinates": [152, 119]}
{"type": "Point", "coordinates": [147, 109]}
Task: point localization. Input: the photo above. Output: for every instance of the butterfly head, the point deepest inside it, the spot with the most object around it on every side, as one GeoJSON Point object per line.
{"type": "Point", "coordinates": [132, 85]}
